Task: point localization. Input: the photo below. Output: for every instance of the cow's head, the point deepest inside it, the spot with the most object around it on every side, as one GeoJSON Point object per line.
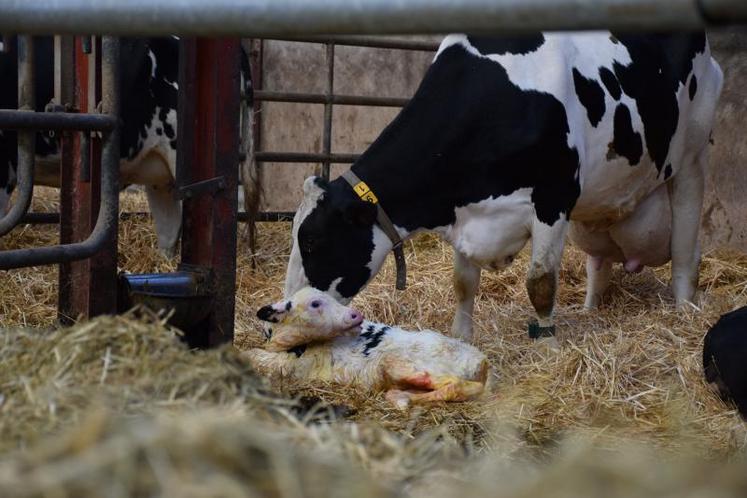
{"type": "Point", "coordinates": [337, 246]}
{"type": "Point", "coordinates": [307, 316]}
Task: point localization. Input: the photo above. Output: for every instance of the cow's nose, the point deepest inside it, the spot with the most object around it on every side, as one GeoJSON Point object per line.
{"type": "Point", "coordinates": [356, 317]}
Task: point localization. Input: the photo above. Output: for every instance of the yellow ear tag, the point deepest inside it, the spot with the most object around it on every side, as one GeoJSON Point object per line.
{"type": "Point", "coordinates": [365, 193]}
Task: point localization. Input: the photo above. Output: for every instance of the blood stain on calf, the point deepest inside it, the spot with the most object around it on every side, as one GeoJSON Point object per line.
{"type": "Point", "coordinates": [420, 380]}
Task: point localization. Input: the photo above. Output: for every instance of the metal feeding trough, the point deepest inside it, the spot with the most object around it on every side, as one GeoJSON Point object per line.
{"type": "Point", "coordinates": [186, 295]}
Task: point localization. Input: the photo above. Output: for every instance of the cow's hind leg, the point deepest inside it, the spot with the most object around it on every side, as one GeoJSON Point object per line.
{"type": "Point", "coordinates": [686, 200]}
{"type": "Point", "coordinates": [466, 283]}
{"type": "Point", "coordinates": [542, 277]}
{"type": "Point", "coordinates": [167, 216]}
{"type": "Point", "coordinates": [598, 273]}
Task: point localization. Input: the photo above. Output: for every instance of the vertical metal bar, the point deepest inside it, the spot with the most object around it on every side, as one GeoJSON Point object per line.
{"type": "Point", "coordinates": [64, 94]}
{"type": "Point", "coordinates": [90, 285]}
{"type": "Point", "coordinates": [208, 123]}
{"type": "Point", "coordinates": [26, 138]}
{"type": "Point", "coordinates": [102, 276]}
{"type": "Point", "coordinates": [327, 135]}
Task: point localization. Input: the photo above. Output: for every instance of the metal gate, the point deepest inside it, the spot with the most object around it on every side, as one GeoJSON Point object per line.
{"type": "Point", "coordinates": [329, 99]}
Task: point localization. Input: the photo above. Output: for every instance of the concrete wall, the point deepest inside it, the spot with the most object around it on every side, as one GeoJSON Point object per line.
{"type": "Point", "coordinates": [394, 73]}
{"type": "Point", "coordinates": [725, 210]}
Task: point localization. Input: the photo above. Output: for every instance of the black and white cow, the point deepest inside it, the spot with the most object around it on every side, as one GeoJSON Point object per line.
{"type": "Point", "coordinates": [508, 139]}
{"type": "Point", "coordinates": [149, 72]}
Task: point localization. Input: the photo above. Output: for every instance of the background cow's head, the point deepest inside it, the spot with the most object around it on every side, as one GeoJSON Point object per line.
{"type": "Point", "coordinates": [337, 246]}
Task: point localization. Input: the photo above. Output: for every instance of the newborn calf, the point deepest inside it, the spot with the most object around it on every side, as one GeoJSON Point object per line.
{"type": "Point", "coordinates": [413, 367]}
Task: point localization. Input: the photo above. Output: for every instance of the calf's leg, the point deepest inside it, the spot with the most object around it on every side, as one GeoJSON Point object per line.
{"type": "Point", "coordinates": [445, 388]}
{"type": "Point", "coordinates": [466, 283]}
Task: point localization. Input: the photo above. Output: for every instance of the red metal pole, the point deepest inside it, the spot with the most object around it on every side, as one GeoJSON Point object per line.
{"type": "Point", "coordinates": [208, 124]}
{"type": "Point", "coordinates": [87, 288]}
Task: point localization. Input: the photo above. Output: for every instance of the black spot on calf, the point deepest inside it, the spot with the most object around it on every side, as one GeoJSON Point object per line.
{"type": "Point", "coordinates": [267, 313]}
{"type": "Point", "coordinates": [724, 354]}
{"type": "Point", "coordinates": [373, 337]}
{"type": "Point", "coordinates": [591, 96]}
{"type": "Point", "coordinates": [627, 141]}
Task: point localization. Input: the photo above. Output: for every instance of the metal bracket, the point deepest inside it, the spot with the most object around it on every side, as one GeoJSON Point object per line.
{"type": "Point", "coordinates": [211, 186]}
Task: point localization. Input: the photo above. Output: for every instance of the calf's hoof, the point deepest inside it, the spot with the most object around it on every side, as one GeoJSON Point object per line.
{"type": "Point", "coordinates": [537, 331]}
{"type": "Point", "coordinates": [400, 399]}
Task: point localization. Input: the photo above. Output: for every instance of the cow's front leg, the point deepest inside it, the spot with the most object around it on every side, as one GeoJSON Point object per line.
{"type": "Point", "coordinates": [466, 283]}
{"type": "Point", "coordinates": [542, 277]}
{"type": "Point", "coordinates": [686, 200]}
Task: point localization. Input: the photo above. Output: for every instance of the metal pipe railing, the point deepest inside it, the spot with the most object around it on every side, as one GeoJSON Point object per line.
{"type": "Point", "coordinates": [26, 139]}
{"type": "Point", "coordinates": [51, 218]}
{"type": "Point", "coordinates": [304, 157]}
{"type": "Point", "coordinates": [28, 120]}
{"type": "Point", "coordinates": [320, 98]}
{"type": "Point", "coordinates": [367, 41]}
{"type": "Point", "coordinates": [267, 18]}
{"type": "Point", "coordinates": [106, 221]}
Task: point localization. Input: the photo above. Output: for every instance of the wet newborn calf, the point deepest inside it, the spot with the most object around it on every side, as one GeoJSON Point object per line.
{"type": "Point", "coordinates": [413, 367]}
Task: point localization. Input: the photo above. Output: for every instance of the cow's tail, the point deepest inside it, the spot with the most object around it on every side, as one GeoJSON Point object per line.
{"type": "Point", "coordinates": [249, 169]}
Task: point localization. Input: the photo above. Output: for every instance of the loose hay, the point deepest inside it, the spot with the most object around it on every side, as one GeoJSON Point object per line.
{"type": "Point", "coordinates": [48, 379]}
{"type": "Point", "coordinates": [628, 371]}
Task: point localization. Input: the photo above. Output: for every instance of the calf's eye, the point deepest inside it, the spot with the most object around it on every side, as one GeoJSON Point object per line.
{"type": "Point", "coordinates": [316, 304]}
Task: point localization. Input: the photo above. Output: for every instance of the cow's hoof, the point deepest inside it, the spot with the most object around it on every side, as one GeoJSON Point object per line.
{"type": "Point", "coordinates": [536, 331]}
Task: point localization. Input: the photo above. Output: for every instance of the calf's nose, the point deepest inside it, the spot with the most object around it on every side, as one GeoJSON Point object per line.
{"type": "Point", "coordinates": [355, 316]}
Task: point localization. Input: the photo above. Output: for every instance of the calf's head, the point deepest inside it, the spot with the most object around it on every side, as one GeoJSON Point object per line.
{"type": "Point", "coordinates": [337, 246]}
{"type": "Point", "coordinates": [308, 316]}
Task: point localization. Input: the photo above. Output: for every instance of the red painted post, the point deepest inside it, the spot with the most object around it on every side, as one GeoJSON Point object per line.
{"type": "Point", "coordinates": [87, 287]}
{"type": "Point", "coordinates": [208, 151]}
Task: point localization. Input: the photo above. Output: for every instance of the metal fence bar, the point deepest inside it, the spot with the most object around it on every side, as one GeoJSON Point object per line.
{"type": "Point", "coordinates": [327, 132]}
{"type": "Point", "coordinates": [26, 139]}
{"type": "Point", "coordinates": [50, 218]}
{"type": "Point", "coordinates": [304, 157]}
{"type": "Point", "coordinates": [106, 223]}
{"type": "Point", "coordinates": [367, 41]}
{"type": "Point", "coordinates": [267, 18]}
{"type": "Point", "coordinates": [30, 120]}
{"type": "Point", "coordinates": [319, 98]}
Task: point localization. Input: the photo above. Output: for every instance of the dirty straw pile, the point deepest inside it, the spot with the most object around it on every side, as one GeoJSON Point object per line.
{"type": "Point", "coordinates": [117, 406]}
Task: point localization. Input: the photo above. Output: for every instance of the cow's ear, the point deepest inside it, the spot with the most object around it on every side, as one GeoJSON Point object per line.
{"type": "Point", "coordinates": [274, 312]}
{"type": "Point", "coordinates": [360, 213]}
{"type": "Point", "coordinates": [314, 184]}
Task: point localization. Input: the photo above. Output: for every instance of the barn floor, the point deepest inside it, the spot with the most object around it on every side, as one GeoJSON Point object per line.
{"type": "Point", "coordinates": [628, 373]}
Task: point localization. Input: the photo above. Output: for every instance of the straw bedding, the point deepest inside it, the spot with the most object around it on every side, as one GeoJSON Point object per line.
{"type": "Point", "coordinates": [628, 372]}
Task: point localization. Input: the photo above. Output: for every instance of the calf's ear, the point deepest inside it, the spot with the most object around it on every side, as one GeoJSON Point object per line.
{"type": "Point", "coordinates": [360, 213]}
{"type": "Point", "coordinates": [274, 312]}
